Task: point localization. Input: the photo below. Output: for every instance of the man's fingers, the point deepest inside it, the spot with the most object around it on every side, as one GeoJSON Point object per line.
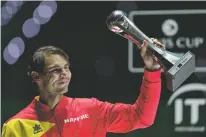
{"type": "Point", "coordinates": [144, 48]}
{"type": "Point", "coordinates": [159, 44]}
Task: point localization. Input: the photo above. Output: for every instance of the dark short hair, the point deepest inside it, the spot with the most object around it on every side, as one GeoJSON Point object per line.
{"type": "Point", "coordinates": [37, 61]}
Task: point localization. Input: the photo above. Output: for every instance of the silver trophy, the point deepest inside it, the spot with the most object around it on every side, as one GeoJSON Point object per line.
{"type": "Point", "coordinates": [177, 67]}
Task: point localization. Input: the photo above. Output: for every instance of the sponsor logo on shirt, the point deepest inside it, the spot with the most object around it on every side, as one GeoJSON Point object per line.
{"type": "Point", "coordinates": [37, 129]}
{"type": "Point", "coordinates": [75, 119]}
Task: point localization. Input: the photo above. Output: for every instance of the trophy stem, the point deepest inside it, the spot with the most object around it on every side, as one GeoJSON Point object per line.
{"type": "Point", "coordinates": [166, 60]}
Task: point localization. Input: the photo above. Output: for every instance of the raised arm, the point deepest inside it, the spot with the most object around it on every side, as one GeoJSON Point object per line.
{"type": "Point", "coordinates": [121, 118]}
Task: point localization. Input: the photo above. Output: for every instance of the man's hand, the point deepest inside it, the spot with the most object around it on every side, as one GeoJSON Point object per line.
{"type": "Point", "coordinates": [149, 58]}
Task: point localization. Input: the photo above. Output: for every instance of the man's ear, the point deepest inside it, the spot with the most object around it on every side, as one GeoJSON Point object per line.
{"type": "Point", "coordinates": [35, 76]}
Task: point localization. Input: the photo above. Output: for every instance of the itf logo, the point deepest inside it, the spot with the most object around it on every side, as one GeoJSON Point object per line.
{"type": "Point", "coordinates": [195, 105]}
{"type": "Point", "coordinates": [170, 27]}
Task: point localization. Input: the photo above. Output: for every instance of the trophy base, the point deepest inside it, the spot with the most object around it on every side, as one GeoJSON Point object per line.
{"type": "Point", "coordinates": [180, 71]}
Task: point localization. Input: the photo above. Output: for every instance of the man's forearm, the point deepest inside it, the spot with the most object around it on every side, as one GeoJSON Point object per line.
{"type": "Point", "coordinates": [148, 100]}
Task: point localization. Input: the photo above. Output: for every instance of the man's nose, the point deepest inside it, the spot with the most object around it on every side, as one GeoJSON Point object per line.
{"type": "Point", "coordinates": [63, 72]}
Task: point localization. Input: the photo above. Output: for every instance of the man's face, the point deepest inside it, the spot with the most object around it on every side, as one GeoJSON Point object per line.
{"type": "Point", "coordinates": [56, 76]}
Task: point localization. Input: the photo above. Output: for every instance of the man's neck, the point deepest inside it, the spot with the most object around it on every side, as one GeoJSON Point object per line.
{"type": "Point", "coordinates": [49, 99]}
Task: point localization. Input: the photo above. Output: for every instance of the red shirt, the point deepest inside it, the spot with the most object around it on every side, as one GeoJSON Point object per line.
{"type": "Point", "coordinates": [87, 117]}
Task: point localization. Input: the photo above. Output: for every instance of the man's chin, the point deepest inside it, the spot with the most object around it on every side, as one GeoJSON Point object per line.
{"type": "Point", "coordinates": [63, 91]}
{"type": "Point", "coordinates": [60, 91]}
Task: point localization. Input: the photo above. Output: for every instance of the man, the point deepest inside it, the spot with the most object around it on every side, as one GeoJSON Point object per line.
{"type": "Point", "coordinates": [51, 114]}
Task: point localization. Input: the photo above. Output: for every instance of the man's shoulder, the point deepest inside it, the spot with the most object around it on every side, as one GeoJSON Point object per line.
{"type": "Point", "coordinates": [84, 102]}
{"type": "Point", "coordinates": [22, 114]}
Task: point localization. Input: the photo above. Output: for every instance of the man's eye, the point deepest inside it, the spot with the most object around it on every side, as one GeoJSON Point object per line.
{"type": "Point", "coordinates": [56, 70]}
{"type": "Point", "coordinates": [67, 67]}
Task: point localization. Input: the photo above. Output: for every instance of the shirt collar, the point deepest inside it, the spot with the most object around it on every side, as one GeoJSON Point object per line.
{"type": "Point", "coordinates": [36, 104]}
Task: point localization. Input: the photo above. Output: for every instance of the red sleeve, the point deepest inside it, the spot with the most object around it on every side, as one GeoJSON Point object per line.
{"type": "Point", "coordinates": [121, 118]}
